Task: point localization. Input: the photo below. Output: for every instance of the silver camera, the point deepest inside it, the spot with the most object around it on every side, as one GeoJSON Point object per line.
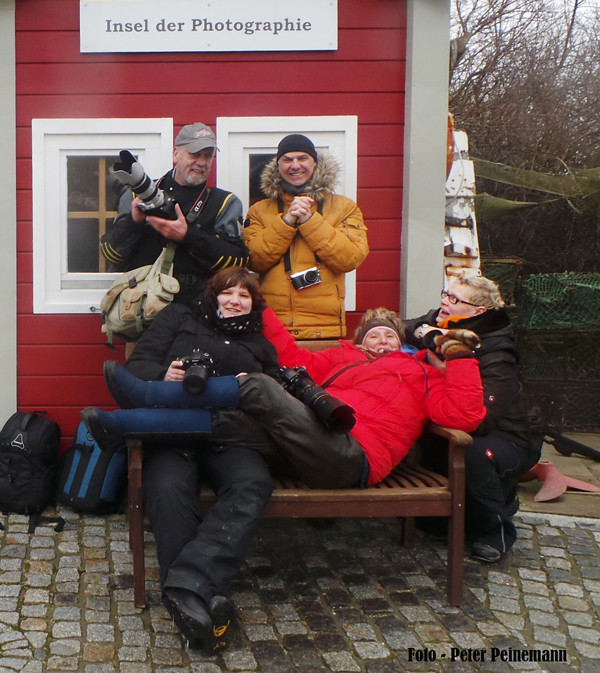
{"type": "Point", "coordinates": [306, 278]}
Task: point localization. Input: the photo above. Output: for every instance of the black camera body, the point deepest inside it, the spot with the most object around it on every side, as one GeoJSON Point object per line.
{"type": "Point", "coordinates": [198, 367]}
{"type": "Point", "coordinates": [336, 415]}
{"type": "Point", "coordinates": [154, 200]}
{"type": "Point", "coordinates": [306, 278]}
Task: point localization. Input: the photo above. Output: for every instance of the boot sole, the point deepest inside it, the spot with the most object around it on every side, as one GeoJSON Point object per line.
{"type": "Point", "coordinates": [194, 629]}
{"type": "Point", "coordinates": [221, 613]}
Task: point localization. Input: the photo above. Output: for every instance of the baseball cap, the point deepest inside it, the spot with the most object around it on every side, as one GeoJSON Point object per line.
{"type": "Point", "coordinates": [196, 137]}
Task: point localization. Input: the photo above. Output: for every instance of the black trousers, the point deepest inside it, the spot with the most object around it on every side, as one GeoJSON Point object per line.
{"type": "Point", "coordinates": [203, 555]}
{"type": "Point", "coordinates": [493, 466]}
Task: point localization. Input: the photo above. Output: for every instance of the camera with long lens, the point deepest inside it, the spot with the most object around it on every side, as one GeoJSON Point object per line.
{"type": "Point", "coordinates": [333, 413]}
{"type": "Point", "coordinates": [198, 367]}
{"type": "Point", "coordinates": [306, 278]}
{"type": "Point", "coordinates": [154, 201]}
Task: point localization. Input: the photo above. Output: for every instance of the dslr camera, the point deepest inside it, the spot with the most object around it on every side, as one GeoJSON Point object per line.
{"type": "Point", "coordinates": [306, 278]}
{"type": "Point", "coordinates": [154, 200]}
{"type": "Point", "coordinates": [333, 413]}
{"type": "Point", "coordinates": [198, 367]}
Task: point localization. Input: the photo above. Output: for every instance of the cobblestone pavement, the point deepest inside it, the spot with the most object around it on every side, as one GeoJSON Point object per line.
{"type": "Point", "coordinates": [340, 596]}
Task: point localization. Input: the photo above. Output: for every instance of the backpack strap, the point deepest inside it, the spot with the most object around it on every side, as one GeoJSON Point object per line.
{"type": "Point", "coordinates": [25, 420]}
{"type": "Point", "coordinates": [38, 520]}
{"type": "Point", "coordinates": [168, 258]}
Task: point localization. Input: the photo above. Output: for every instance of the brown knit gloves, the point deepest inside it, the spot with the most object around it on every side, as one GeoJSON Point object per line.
{"type": "Point", "coordinates": [457, 343]}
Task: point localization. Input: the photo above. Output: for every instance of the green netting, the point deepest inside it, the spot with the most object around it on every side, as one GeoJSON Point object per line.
{"type": "Point", "coordinates": [559, 355]}
{"type": "Point", "coordinates": [569, 406]}
{"type": "Point", "coordinates": [560, 301]}
{"type": "Point", "coordinates": [505, 272]}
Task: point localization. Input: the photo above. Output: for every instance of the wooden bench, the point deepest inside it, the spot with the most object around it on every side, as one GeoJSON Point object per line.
{"type": "Point", "coordinates": [410, 491]}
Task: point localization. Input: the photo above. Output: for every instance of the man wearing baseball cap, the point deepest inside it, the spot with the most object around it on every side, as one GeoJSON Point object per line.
{"type": "Point", "coordinates": [207, 228]}
{"type": "Point", "coordinates": [303, 239]}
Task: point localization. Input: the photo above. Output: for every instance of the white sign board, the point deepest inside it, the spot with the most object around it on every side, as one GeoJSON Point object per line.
{"type": "Point", "coordinates": [207, 25]}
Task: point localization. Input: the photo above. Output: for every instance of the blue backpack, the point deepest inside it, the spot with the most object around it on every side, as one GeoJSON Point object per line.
{"type": "Point", "coordinates": [90, 479]}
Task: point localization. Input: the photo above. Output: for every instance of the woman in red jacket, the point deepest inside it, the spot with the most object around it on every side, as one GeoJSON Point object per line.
{"type": "Point", "coordinates": [393, 393]}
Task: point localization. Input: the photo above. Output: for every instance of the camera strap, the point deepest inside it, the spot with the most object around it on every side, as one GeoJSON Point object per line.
{"type": "Point", "coordinates": [195, 211]}
{"type": "Point", "coordinates": [331, 379]}
{"type": "Point", "coordinates": [287, 262]}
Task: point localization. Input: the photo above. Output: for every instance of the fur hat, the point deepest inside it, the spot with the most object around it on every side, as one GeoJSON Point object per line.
{"type": "Point", "coordinates": [378, 317]}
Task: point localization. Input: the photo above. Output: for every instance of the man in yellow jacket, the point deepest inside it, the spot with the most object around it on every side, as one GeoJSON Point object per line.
{"type": "Point", "coordinates": [303, 238]}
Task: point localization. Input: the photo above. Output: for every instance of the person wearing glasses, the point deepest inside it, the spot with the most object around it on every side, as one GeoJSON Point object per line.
{"type": "Point", "coordinates": [509, 440]}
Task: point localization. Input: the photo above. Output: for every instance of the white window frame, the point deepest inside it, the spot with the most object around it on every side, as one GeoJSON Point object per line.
{"type": "Point", "coordinates": [239, 137]}
{"type": "Point", "coordinates": [55, 290]}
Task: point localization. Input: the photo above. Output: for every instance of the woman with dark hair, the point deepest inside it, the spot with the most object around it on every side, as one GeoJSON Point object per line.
{"type": "Point", "coordinates": [198, 557]}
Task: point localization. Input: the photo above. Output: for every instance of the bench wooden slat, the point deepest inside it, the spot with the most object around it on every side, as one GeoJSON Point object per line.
{"type": "Point", "coordinates": [409, 491]}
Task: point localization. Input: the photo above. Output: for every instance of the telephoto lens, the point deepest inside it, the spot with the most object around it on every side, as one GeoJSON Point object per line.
{"type": "Point", "coordinates": [335, 415]}
{"type": "Point", "coordinates": [154, 201]}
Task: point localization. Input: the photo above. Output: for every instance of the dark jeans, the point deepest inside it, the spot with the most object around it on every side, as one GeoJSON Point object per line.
{"type": "Point", "coordinates": [203, 555]}
{"type": "Point", "coordinates": [321, 458]}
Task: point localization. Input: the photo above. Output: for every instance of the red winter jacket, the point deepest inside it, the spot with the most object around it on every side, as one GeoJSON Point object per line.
{"type": "Point", "coordinates": [393, 396]}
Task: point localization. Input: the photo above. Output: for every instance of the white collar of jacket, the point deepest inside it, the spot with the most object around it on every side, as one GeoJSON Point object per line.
{"type": "Point", "coordinates": [322, 183]}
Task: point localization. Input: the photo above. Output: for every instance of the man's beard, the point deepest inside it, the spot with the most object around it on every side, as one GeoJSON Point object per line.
{"type": "Point", "coordinates": [193, 179]}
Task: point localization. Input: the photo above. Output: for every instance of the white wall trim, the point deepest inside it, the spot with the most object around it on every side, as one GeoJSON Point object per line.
{"type": "Point", "coordinates": [55, 290]}
{"type": "Point", "coordinates": [8, 231]}
{"type": "Point", "coordinates": [426, 119]}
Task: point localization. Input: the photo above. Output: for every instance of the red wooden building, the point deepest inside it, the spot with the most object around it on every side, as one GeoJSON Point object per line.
{"type": "Point", "coordinates": [379, 97]}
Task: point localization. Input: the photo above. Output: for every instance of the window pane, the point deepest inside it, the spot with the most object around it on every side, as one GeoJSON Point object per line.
{"type": "Point", "coordinates": [83, 245]}
{"type": "Point", "coordinates": [87, 179]}
{"type": "Point", "coordinates": [82, 181]}
{"type": "Point", "coordinates": [257, 164]}
{"type": "Point", "coordinates": [92, 203]}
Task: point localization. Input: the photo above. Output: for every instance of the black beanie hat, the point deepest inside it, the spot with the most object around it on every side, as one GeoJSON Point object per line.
{"type": "Point", "coordinates": [296, 143]}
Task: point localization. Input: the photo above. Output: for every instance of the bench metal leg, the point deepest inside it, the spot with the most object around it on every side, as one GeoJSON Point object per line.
{"type": "Point", "coordinates": [136, 520]}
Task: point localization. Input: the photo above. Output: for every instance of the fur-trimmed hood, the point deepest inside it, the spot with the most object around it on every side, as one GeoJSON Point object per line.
{"type": "Point", "coordinates": [322, 183]}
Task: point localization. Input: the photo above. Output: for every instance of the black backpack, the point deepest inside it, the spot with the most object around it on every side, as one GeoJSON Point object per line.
{"type": "Point", "coordinates": [91, 479]}
{"type": "Point", "coordinates": [28, 462]}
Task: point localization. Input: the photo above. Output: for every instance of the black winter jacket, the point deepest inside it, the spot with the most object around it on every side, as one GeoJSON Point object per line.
{"type": "Point", "coordinates": [179, 329]}
{"type": "Point", "coordinates": [212, 242]}
{"type": "Point", "coordinates": [509, 412]}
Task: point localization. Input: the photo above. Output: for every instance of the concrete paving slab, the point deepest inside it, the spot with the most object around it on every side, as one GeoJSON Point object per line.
{"type": "Point", "coordinates": [572, 502]}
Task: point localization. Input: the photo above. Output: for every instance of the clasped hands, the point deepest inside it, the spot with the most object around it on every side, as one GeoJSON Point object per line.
{"type": "Point", "coordinates": [299, 211]}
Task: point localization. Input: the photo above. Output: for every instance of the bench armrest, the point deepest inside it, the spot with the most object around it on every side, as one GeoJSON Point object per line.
{"type": "Point", "coordinates": [454, 436]}
{"type": "Point", "coordinates": [457, 442]}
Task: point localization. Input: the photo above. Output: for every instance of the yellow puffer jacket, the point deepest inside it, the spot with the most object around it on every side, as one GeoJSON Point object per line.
{"type": "Point", "coordinates": [334, 239]}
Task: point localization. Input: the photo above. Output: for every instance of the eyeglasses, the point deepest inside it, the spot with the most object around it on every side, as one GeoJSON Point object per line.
{"type": "Point", "coordinates": [453, 299]}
